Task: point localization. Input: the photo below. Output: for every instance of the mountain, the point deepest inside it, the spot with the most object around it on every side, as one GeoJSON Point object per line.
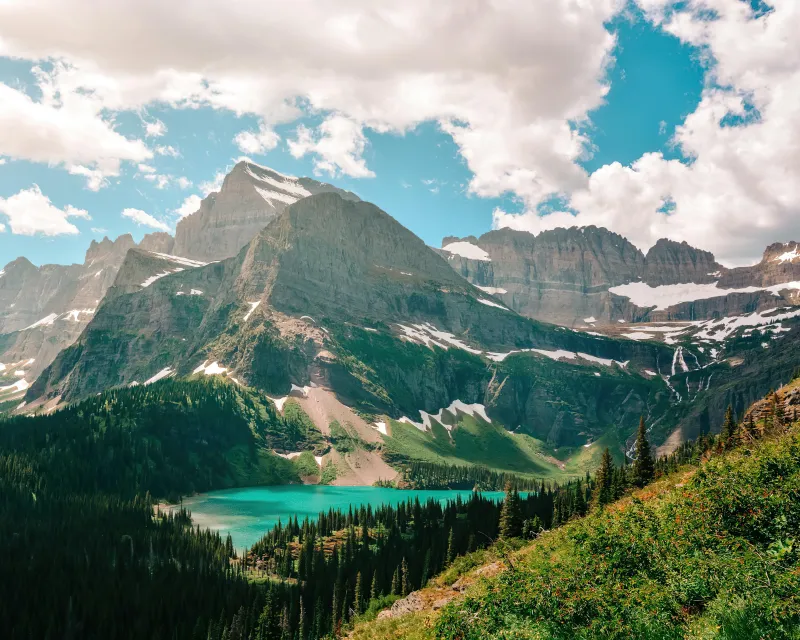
{"type": "Point", "coordinates": [589, 275]}
{"type": "Point", "coordinates": [250, 196]}
{"type": "Point", "coordinates": [44, 309]}
{"type": "Point", "coordinates": [337, 305]}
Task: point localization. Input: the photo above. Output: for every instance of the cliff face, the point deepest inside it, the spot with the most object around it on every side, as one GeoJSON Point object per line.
{"type": "Point", "coordinates": [337, 293]}
{"type": "Point", "coordinates": [44, 309]}
{"type": "Point", "coordinates": [564, 276]}
{"type": "Point", "coordinates": [251, 196]}
{"type": "Point", "coordinates": [670, 262]}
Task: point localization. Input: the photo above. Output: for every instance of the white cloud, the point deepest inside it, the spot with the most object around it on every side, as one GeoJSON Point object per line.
{"type": "Point", "coordinates": [2, 227]}
{"type": "Point", "coordinates": [257, 142]}
{"type": "Point", "coordinates": [506, 93]}
{"type": "Point", "coordinates": [99, 230]}
{"type": "Point", "coordinates": [160, 180]}
{"type": "Point", "coordinates": [145, 219]}
{"type": "Point", "coordinates": [167, 150]}
{"type": "Point", "coordinates": [742, 189]}
{"type": "Point", "coordinates": [189, 206]}
{"type": "Point", "coordinates": [63, 128]}
{"type": "Point", "coordinates": [215, 184]}
{"type": "Point", "coordinates": [338, 146]}
{"type": "Point", "coordinates": [146, 168]}
{"type": "Point", "coordinates": [30, 212]}
{"type": "Point", "coordinates": [183, 182]}
{"type": "Point", "coordinates": [155, 129]}
{"type": "Point", "coordinates": [2, 161]}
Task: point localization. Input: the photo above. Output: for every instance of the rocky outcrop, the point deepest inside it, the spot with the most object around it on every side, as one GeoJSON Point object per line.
{"type": "Point", "coordinates": [670, 262]}
{"type": "Point", "coordinates": [251, 196]}
{"type": "Point", "coordinates": [564, 276]}
{"type": "Point", "coordinates": [559, 276]}
{"type": "Point", "coordinates": [44, 309]}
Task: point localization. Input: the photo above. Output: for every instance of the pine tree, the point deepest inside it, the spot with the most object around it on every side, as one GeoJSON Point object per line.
{"type": "Point", "coordinates": [406, 579]}
{"type": "Point", "coordinates": [511, 514]}
{"type": "Point", "coordinates": [396, 582]}
{"type": "Point", "coordinates": [374, 594]}
{"type": "Point", "coordinates": [580, 499]}
{"type": "Point", "coordinates": [728, 428]}
{"type": "Point", "coordinates": [359, 597]}
{"type": "Point", "coordinates": [643, 465]}
{"type": "Point", "coordinates": [603, 480]}
{"type": "Point", "coordinates": [451, 549]}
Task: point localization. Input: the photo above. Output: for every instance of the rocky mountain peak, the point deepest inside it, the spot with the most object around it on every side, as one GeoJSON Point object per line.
{"type": "Point", "coordinates": [670, 262]}
{"type": "Point", "coordinates": [250, 197]}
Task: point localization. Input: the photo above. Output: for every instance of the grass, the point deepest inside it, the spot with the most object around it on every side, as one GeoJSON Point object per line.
{"type": "Point", "coordinates": [477, 442]}
{"type": "Point", "coordinates": [710, 552]}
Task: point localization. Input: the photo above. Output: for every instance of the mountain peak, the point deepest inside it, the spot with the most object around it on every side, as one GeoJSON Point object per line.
{"type": "Point", "coordinates": [251, 196]}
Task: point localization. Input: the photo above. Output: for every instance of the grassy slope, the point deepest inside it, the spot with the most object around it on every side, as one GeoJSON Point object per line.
{"type": "Point", "coordinates": [476, 442]}
{"type": "Point", "coordinates": [708, 552]}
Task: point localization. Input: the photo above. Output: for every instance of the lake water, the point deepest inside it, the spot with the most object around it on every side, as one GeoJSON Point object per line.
{"type": "Point", "coordinates": [247, 514]}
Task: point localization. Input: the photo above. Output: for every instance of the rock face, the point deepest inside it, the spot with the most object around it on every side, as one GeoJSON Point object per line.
{"type": "Point", "coordinates": [558, 276]}
{"type": "Point", "coordinates": [337, 293]}
{"type": "Point", "coordinates": [670, 262]}
{"type": "Point", "coordinates": [44, 309]}
{"type": "Point", "coordinates": [250, 197]}
{"type": "Point", "coordinates": [564, 276]}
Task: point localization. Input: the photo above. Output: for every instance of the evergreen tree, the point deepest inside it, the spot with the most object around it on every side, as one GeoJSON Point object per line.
{"type": "Point", "coordinates": [396, 582]}
{"type": "Point", "coordinates": [604, 479]}
{"type": "Point", "coordinates": [643, 465]}
{"type": "Point", "coordinates": [511, 514]}
{"type": "Point", "coordinates": [358, 597]}
{"type": "Point", "coordinates": [728, 428]}
{"type": "Point", "coordinates": [451, 549]}
{"type": "Point", "coordinates": [406, 579]}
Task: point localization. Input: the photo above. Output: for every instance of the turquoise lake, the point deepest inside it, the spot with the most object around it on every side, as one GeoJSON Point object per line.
{"type": "Point", "coordinates": [247, 514]}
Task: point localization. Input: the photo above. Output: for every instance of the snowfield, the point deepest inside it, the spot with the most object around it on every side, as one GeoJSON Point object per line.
{"type": "Point", "coordinates": [467, 250]}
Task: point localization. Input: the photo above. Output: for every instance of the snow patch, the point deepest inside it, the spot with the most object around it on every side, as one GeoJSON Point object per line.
{"type": "Point", "coordinates": [303, 391]}
{"type": "Point", "coordinates": [590, 320]}
{"type": "Point", "coordinates": [253, 306]}
{"type": "Point", "coordinates": [490, 303]}
{"type": "Point", "coordinates": [319, 460]}
{"type": "Point", "coordinates": [430, 336]}
{"type": "Point", "coordinates": [467, 250]}
{"type": "Point", "coordinates": [789, 256]}
{"type": "Point", "coordinates": [454, 408]}
{"type": "Point", "coordinates": [279, 402]}
{"type": "Point", "coordinates": [47, 321]}
{"type": "Point", "coordinates": [186, 262]}
{"type": "Point", "coordinates": [289, 456]}
{"type": "Point", "coordinates": [288, 185]}
{"type": "Point", "coordinates": [381, 426]}
{"type": "Point", "coordinates": [668, 295]}
{"type": "Point", "coordinates": [213, 369]}
{"type": "Point", "coordinates": [74, 314]}
{"type": "Point", "coordinates": [638, 335]}
{"type": "Point", "coordinates": [271, 196]}
{"type": "Point", "coordinates": [492, 291]}
{"type": "Point", "coordinates": [19, 385]}
{"type": "Point", "coordinates": [650, 373]}
{"type": "Point", "coordinates": [158, 276]}
{"type": "Point", "coordinates": [164, 373]}
{"type": "Point", "coordinates": [193, 292]}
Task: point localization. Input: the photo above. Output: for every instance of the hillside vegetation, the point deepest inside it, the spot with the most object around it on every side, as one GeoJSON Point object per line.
{"type": "Point", "coordinates": [708, 551]}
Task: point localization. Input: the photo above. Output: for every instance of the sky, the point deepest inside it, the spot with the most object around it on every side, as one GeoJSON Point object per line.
{"type": "Point", "coordinates": [649, 117]}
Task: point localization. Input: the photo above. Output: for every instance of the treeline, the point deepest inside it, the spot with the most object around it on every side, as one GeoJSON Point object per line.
{"type": "Point", "coordinates": [431, 475]}
{"type": "Point", "coordinates": [170, 439]}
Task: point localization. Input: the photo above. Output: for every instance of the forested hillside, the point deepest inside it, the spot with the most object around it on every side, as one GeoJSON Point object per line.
{"type": "Point", "coordinates": [707, 550]}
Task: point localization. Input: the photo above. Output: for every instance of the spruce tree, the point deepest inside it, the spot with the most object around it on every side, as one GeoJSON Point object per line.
{"type": "Point", "coordinates": [396, 582]}
{"type": "Point", "coordinates": [451, 549]}
{"type": "Point", "coordinates": [643, 465]}
{"type": "Point", "coordinates": [603, 480]}
{"type": "Point", "coordinates": [728, 428]}
{"type": "Point", "coordinates": [406, 579]}
{"type": "Point", "coordinates": [511, 514]}
{"type": "Point", "coordinates": [358, 597]}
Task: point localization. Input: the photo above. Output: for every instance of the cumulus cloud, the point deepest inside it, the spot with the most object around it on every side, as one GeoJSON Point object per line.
{"type": "Point", "coordinates": [189, 206]}
{"type": "Point", "coordinates": [64, 129]}
{"type": "Point", "coordinates": [167, 150]}
{"type": "Point", "coordinates": [741, 190]}
{"type": "Point", "coordinates": [337, 146]}
{"type": "Point", "coordinates": [30, 212]}
{"type": "Point", "coordinates": [155, 129]}
{"type": "Point", "coordinates": [504, 78]}
{"type": "Point", "coordinates": [144, 219]}
{"type": "Point", "coordinates": [257, 142]}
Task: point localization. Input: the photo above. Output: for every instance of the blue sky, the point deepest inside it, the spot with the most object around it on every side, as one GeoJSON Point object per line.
{"type": "Point", "coordinates": [422, 175]}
